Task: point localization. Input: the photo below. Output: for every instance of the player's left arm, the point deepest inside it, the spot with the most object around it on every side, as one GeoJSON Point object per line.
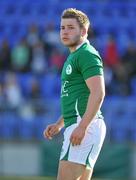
{"type": "Point", "coordinates": [97, 93]}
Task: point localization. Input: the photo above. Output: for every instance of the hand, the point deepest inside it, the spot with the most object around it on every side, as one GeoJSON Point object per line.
{"type": "Point", "coordinates": [51, 130]}
{"type": "Point", "coordinates": [77, 136]}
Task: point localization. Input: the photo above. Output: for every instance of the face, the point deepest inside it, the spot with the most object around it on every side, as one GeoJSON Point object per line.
{"type": "Point", "coordinates": [70, 32]}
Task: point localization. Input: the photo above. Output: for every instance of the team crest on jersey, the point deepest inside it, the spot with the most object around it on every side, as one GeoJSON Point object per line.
{"type": "Point", "coordinates": [69, 69]}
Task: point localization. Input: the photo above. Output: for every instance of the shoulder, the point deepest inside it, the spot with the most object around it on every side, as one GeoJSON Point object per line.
{"type": "Point", "coordinates": [89, 50]}
{"type": "Point", "coordinates": [89, 55]}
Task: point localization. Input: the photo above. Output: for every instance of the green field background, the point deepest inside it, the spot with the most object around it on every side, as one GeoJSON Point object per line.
{"type": "Point", "coordinates": [51, 178]}
{"type": "Point", "coordinates": [114, 161]}
{"type": "Point", "coordinates": [44, 178]}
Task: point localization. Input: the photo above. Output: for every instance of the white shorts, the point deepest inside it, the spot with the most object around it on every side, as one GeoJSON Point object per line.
{"type": "Point", "coordinates": [87, 152]}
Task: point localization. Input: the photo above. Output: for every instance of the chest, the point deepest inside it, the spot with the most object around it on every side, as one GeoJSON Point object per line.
{"type": "Point", "coordinates": [70, 69]}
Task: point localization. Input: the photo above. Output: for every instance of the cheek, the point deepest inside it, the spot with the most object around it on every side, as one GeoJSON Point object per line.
{"type": "Point", "coordinates": [60, 33]}
{"type": "Point", "coordinates": [75, 33]}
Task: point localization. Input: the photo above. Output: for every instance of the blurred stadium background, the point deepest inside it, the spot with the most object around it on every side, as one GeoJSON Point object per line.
{"type": "Point", "coordinates": [31, 58]}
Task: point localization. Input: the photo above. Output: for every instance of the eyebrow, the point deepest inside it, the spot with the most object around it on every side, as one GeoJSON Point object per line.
{"type": "Point", "coordinates": [69, 25]}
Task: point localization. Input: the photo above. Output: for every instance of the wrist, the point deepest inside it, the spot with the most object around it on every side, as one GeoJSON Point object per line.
{"type": "Point", "coordinates": [60, 126]}
{"type": "Point", "coordinates": [83, 125]}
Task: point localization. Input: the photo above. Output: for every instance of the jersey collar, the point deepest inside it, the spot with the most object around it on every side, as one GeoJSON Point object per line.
{"type": "Point", "coordinates": [86, 41]}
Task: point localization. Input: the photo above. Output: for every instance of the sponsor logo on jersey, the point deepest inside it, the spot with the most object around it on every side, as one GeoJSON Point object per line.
{"type": "Point", "coordinates": [64, 90]}
{"type": "Point", "coordinates": [69, 69]}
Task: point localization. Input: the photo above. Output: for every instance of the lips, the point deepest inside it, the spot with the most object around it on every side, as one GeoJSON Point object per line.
{"type": "Point", "coordinates": [65, 39]}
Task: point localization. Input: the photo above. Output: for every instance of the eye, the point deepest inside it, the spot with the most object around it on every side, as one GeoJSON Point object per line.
{"type": "Point", "coordinates": [71, 27]}
{"type": "Point", "coordinates": [62, 27]}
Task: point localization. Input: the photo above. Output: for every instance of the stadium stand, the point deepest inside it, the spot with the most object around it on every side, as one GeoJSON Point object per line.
{"type": "Point", "coordinates": [40, 106]}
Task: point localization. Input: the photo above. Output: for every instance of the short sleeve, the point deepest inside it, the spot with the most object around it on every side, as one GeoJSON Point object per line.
{"type": "Point", "coordinates": [90, 64]}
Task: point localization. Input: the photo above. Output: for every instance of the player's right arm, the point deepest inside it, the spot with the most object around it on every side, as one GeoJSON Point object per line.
{"type": "Point", "coordinates": [53, 129]}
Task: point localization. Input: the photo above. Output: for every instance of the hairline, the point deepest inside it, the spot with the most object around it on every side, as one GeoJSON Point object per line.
{"type": "Point", "coordinates": [80, 25]}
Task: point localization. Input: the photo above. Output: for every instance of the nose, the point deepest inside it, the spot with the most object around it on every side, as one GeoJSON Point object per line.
{"type": "Point", "coordinates": [65, 31]}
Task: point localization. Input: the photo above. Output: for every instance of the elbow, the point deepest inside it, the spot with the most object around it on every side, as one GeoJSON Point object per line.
{"type": "Point", "coordinates": [101, 96]}
{"type": "Point", "coordinates": [98, 96]}
{"type": "Point", "coordinates": [100, 99]}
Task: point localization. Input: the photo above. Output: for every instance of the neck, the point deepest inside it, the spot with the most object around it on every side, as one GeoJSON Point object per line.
{"type": "Point", "coordinates": [74, 47]}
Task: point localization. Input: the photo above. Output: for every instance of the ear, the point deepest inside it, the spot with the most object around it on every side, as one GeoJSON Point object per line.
{"type": "Point", "coordinates": [83, 32]}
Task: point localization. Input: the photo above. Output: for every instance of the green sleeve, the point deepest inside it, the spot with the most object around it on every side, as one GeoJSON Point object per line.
{"type": "Point", "coordinates": [90, 64]}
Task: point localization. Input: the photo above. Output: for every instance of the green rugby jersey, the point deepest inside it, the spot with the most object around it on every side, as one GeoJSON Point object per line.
{"type": "Point", "coordinates": [81, 64]}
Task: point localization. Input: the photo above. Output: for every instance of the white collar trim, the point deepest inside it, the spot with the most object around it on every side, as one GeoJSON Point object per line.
{"type": "Point", "coordinates": [86, 41]}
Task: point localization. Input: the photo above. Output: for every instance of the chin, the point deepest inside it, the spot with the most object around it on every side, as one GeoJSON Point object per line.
{"type": "Point", "coordinates": [66, 43]}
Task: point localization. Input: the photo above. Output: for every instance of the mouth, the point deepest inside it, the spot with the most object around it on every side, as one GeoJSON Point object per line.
{"type": "Point", "coordinates": [65, 39]}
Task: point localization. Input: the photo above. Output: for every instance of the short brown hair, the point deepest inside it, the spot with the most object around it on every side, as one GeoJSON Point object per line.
{"type": "Point", "coordinates": [81, 17]}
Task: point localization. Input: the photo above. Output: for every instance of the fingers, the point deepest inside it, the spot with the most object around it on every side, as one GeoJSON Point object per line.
{"type": "Point", "coordinates": [75, 141]}
{"type": "Point", "coordinates": [53, 131]}
{"type": "Point", "coordinates": [47, 134]}
{"type": "Point", "coordinates": [50, 131]}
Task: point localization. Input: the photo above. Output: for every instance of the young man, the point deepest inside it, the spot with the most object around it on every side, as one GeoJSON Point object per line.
{"type": "Point", "coordinates": [82, 94]}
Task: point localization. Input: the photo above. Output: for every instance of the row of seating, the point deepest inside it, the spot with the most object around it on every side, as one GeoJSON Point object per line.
{"type": "Point", "coordinates": [49, 84]}
{"type": "Point", "coordinates": [117, 18]}
{"type": "Point", "coordinates": [15, 12]}
{"type": "Point", "coordinates": [14, 126]}
{"type": "Point", "coordinates": [119, 116]}
{"type": "Point", "coordinates": [47, 10]}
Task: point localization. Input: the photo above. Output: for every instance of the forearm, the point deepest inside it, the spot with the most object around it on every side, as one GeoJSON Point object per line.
{"type": "Point", "coordinates": [94, 103]}
{"type": "Point", "coordinates": [60, 122]}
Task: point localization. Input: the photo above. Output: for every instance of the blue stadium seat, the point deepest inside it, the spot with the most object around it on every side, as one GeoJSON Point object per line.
{"type": "Point", "coordinates": [26, 128]}
{"type": "Point", "coordinates": [119, 117]}
{"type": "Point", "coordinates": [40, 123]}
{"type": "Point", "coordinates": [133, 86]}
{"type": "Point", "coordinates": [121, 128]}
{"type": "Point", "coordinates": [50, 86]}
{"type": "Point", "coordinates": [8, 125]}
{"type": "Point", "coordinates": [24, 81]}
